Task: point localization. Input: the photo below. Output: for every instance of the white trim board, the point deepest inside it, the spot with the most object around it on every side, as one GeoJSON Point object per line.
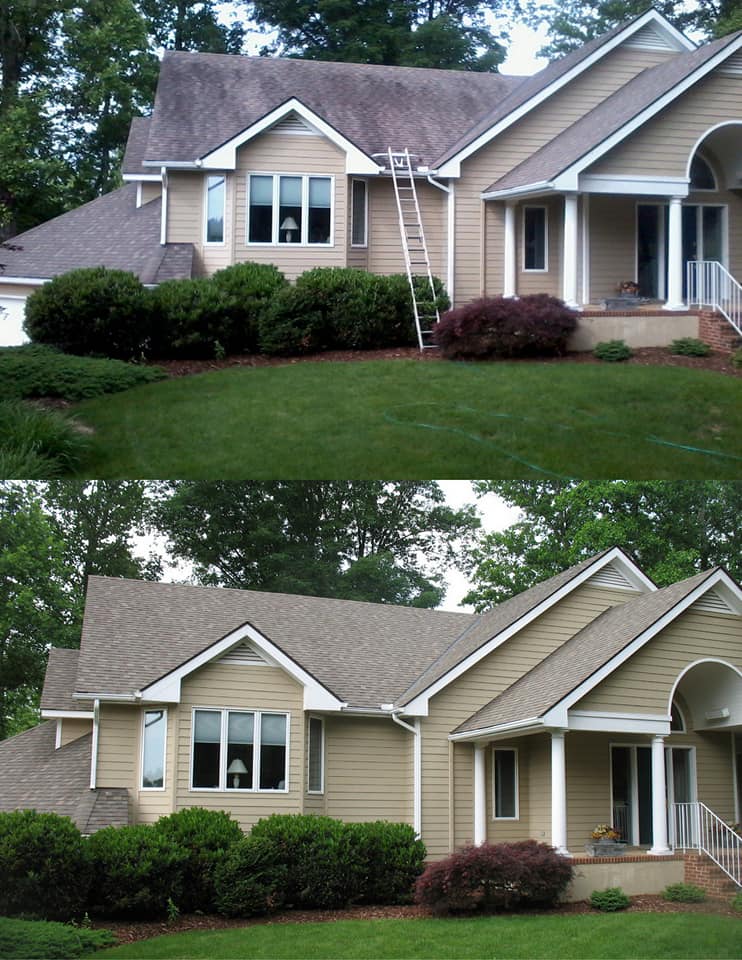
{"type": "Point", "coordinates": [67, 715]}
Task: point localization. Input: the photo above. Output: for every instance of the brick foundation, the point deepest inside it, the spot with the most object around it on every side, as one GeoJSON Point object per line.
{"type": "Point", "coordinates": [717, 332]}
{"type": "Point", "coordinates": [704, 873]}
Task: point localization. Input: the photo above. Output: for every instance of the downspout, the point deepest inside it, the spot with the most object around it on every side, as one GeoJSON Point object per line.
{"type": "Point", "coordinates": [94, 747]}
{"type": "Point", "coordinates": [450, 239]}
{"type": "Point", "coordinates": [417, 804]}
{"type": "Point", "coordinates": [163, 218]}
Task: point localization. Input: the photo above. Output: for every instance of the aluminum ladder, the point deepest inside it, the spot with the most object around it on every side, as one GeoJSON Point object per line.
{"type": "Point", "coordinates": [417, 261]}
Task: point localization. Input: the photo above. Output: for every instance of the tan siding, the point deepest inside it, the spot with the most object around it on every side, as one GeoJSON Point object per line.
{"type": "Point", "coordinates": [16, 289]}
{"type": "Point", "coordinates": [612, 244]}
{"type": "Point", "coordinates": [152, 804]}
{"type": "Point", "coordinates": [550, 280]}
{"type": "Point", "coordinates": [150, 191]}
{"type": "Point", "coordinates": [242, 687]}
{"type": "Point", "coordinates": [385, 254]}
{"type": "Point", "coordinates": [118, 750]}
{"type": "Point", "coordinates": [368, 774]}
{"type": "Point", "coordinates": [73, 729]}
{"type": "Point", "coordinates": [185, 212]}
{"type": "Point", "coordinates": [499, 831]}
{"type": "Point", "coordinates": [539, 784]}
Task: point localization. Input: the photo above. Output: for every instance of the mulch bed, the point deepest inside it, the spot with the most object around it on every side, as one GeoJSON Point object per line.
{"type": "Point", "coordinates": [129, 932]}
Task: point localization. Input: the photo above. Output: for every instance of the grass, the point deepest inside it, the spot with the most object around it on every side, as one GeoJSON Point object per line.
{"type": "Point", "coordinates": [409, 419]}
{"type": "Point", "coordinates": [576, 936]}
{"type": "Point", "coordinates": [37, 444]}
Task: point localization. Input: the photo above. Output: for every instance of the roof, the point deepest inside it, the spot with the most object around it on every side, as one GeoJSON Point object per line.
{"type": "Point", "coordinates": [59, 682]}
{"type": "Point", "coordinates": [110, 231]}
{"type": "Point", "coordinates": [135, 147]}
{"type": "Point", "coordinates": [555, 677]}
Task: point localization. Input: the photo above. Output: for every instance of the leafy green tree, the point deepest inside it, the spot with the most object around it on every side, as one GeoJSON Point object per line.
{"type": "Point", "coordinates": [672, 528]}
{"type": "Point", "coordinates": [191, 25]}
{"type": "Point", "coordinates": [363, 540]}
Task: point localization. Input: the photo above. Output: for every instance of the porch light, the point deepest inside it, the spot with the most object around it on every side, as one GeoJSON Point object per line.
{"type": "Point", "coordinates": [236, 768]}
{"type": "Point", "coordinates": [289, 225]}
{"type": "Point", "coordinates": [721, 713]}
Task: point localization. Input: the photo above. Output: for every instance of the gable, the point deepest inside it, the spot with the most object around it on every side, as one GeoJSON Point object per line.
{"type": "Point", "coordinates": [653, 37]}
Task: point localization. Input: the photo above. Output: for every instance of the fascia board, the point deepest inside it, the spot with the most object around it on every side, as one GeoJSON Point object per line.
{"type": "Point", "coordinates": [559, 711]}
{"type": "Point", "coordinates": [173, 164]}
{"type": "Point", "coordinates": [31, 281]}
{"type": "Point", "coordinates": [67, 715]}
{"type": "Point", "coordinates": [167, 688]}
{"type": "Point", "coordinates": [418, 706]}
{"type": "Point", "coordinates": [225, 156]}
{"type": "Point", "coordinates": [634, 185]}
{"type": "Point", "coordinates": [568, 179]}
{"type": "Point", "coordinates": [452, 167]}
{"type": "Point", "coordinates": [541, 186]}
{"type": "Point", "coordinates": [499, 731]}
{"type": "Point", "coordinates": [605, 722]}
{"type": "Point", "coordinates": [137, 177]}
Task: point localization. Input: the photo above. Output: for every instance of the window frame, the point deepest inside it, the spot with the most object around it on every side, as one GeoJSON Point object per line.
{"type": "Point", "coordinates": [303, 242]}
{"type": "Point", "coordinates": [214, 243]}
{"type": "Point", "coordinates": [321, 721]}
{"type": "Point", "coordinates": [694, 189]}
{"type": "Point", "coordinates": [364, 245]}
{"type": "Point", "coordinates": [545, 268]}
{"type": "Point", "coordinates": [145, 711]}
{"type": "Point", "coordinates": [257, 748]}
{"type": "Point", "coordinates": [516, 785]}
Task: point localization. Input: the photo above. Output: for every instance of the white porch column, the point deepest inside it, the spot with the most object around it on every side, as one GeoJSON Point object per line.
{"type": "Point", "coordinates": [558, 793]}
{"type": "Point", "coordinates": [659, 802]}
{"type": "Point", "coordinates": [675, 256]}
{"type": "Point", "coordinates": [569, 251]}
{"type": "Point", "coordinates": [480, 795]}
{"type": "Point", "coordinates": [508, 269]}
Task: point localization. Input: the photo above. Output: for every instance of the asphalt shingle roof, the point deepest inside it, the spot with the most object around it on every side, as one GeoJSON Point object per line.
{"type": "Point", "coordinates": [136, 145]}
{"type": "Point", "coordinates": [59, 682]}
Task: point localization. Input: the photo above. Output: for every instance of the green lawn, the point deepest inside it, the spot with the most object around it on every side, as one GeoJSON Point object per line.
{"type": "Point", "coordinates": [407, 419]}
{"type": "Point", "coordinates": [603, 936]}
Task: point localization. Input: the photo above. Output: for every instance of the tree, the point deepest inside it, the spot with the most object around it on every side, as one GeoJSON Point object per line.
{"type": "Point", "coordinates": [191, 25]}
{"type": "Point", "coordinates": [361, 540]}
{"type": "Point", "coordinates": [672, 528]}
{"type": "Point", "coordinates": [421, 33]}
{"type": "Point", "coordinates": [35, 604]}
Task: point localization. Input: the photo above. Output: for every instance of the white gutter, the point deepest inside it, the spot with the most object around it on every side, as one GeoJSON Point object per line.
{"type": "Point", "coordinates": [532, 725]}
{"type": "Point", "coordinates": [540, 186]}
{"type": "Point", "coordinates": [24, 281]}
{"type": "Point", "coordinates": [417, 802]}
{"type": "Point", "coordinates": [113, 697]}
{"type": "Point", "coordinates": [174, 164]}
{"type": "Point", "coordinates": [451, 235]}
{"type": "Point", "coordinates": [163, 219]}
{"type": "Point", "coordinates": [94, 749]}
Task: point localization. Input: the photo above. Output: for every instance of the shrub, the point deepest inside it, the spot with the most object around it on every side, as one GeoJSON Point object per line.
{"type": "Point", "coordinates": [736, 358]}
{"type": "Point", "coordinates": [690, 347]}
{"type": "Point", "coordinates": [501, 876]}
{"type": "Point", "coordinates": [248, 289]}
{"type": "Point", "coordinates": [136, 870]}
{"type": "Point", "coordinates": [294, 324]}
{"type": "Point", "coordinates": [390, 858]}
{"type": "Point", "coordinates": [684, 893]}
{"type": "Point", "coordinates": [38, 371]}
{"type": "Point", "coordinates": [90, 311]}
{"type": "Point", "coordinates": [190, 320]}
{"type": "Point", "coordinates": [609, 900]}
{"type": "Point", "coordinates": [43, 864]}
{"type": "Point", "coordinates": [736, 902]}
{"type": "Point", "coordinates": [612, 351]}
{"type": "Point", "coordinates": [41, 940]}
{"type": "Point", "coordinates": [506, 327]}
{"type": "Point", "coordinates": [37, 444]}
{"type": "Point", "coordinates": [251, 878]}
{"type": "Point", "coordinates": [205, 836]}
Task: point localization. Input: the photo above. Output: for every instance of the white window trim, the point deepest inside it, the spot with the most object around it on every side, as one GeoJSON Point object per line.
{"type": "Point", "coordinates": [545, 268]}
{"type": "Point", "coordinates": [257, 724]}
{"type": "Point", "coordinates": [691, 188]}
{"type": "Point", "coordinates": [681, 714]}
{"type": "Point", "coordinates": [359, 246]}
{"type": "Point", "coordinates": [304, 209]}
{"type": "Point", "coordinates": [322, 755]}
{"type": "Point", "coordinates": [514, 750]}
{"type": "Point", "coordinates": [222, 242]}
{"type": "Point", "coordinates": [142, 788]}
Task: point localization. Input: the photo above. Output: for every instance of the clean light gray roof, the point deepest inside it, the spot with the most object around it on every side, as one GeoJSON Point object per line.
{"type": "Point", "coordinates": [365, 653]}
{"type": "Point", "coordinates": [110, 231]}
{"type": "Point", "coordinates": [578, 658]}
{"type": "Point", "coordinates": [608, 117]}
{"type": "Point", "coordinates": [59, 682]}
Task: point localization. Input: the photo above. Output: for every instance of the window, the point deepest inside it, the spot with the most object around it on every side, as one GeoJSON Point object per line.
{"type": "Point", "coordinates": [289, 209]}
{"type": "Point", "coordinates": [153, 749]}
{"type": "Point", "coordinates": [358, 214]}
{"type": "Point", "coordinates": [316, 755]}
{"type": "Point", "coordinates": [225, 755]}
{"type": "Point", "coordinates": [215, 196]}
{"type": "Point", "coordinates": [677, 720]}
{"type": "Point", "coordinates": [534, 238]}
{"type": "Point", "coordinates": [505, 785]}
{"type": "Point", "coordinates": [701, 175]}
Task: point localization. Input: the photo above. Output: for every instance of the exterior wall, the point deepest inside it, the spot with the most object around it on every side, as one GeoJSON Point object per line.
{"type": "Point", "coordinates": [639, 330]}
{"type": "Point", "coordinates": [717, 332]}
{"type": "Point", "coordinates": [703, 872]}
{"type": "Point", "coordinates": [385, 254]}
{"type": "Point", "coordinates": [612, 244]}
{"type": "Point", "coordinates": [185, 198]}
{"type": "Point", "coordinates": [368, 770]}
{"type": "Point", "coordinates": [73, 729]}
{"type": "Point", "coordinates": [633, 875]}
{"type": "Point", "coordinates": [357, 256]}
{"type": "Point", "coordinates": [549, 280]}
{"type": "Point", "coordinates": [150, 191]}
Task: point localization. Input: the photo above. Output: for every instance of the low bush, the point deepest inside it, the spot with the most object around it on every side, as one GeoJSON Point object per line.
{"type": "Point", "coordinates": [37, 444]}
{"type": "Point", "coordinates": [190, 321]}
{"type": "Point", "coordinates": [136, 871]}
{"type": "Point", "coordinates": [206, 836]}
{"type": "Point", "coordinates": [736, 902]}
{"type": "Point", "coordinates": [736, 358]}
{"type": "Point", "coordinates": [684, 893]}
{"type": "Point", "coordinates": [612, 351]}
{"type": "Point", "coordinates": [251, 879]}
{"type": "Point", "coordinates": [38, 371]}
{"type": "Point", "coordinates": [609, 900]}
{"type": "Point", "coordinates": [690, 347]}
{"type": "Point", "coordinates": [506, 327]}
{"type": "Point", "coordinates": [390, 858]}
{"type": "Point", "coordinates": [502, 876]}
{"type": "Point", "coordinates": [42, 940]}
{"type": "Point", "coordinates": [248, 289]}
{"type": "Point", "coordinates": [44, 866]}
{"type": "Point", "coordinates": [92, 311]}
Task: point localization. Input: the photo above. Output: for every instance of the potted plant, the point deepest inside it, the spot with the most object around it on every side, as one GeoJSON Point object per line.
{"type": "Point", "coordinates": [628, 288]}
{"type": "Point", "coordinates": [605, 842]}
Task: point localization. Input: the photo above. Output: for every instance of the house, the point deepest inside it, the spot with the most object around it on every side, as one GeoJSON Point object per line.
{"type": "Point", "coordinates": [619, 162]}
{"type": "Point", "coordinates": [593, 697]}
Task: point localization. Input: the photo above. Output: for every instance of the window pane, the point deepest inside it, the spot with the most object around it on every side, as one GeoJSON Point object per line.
{"type": "Point", "coordinates": [319, 192]}
{"type": "Point", "coordinates": [261, 210]}
{"type": "Point", "coordinates": [505, 804]}
{"type": "Point", "coordinates": [315, 754]}
{"type": "Point", "coordinates": [272, 752]}
{"type": "Point", "coordinates": [153, 760]}
{"type": "Point", "coordinates": [701, 175]}
{"type": "Point", "coordinates": [239, 751]}
{"type": "Point", "coordinates": [319, 210]}
{"type": "Point", "coordinates": [261, 190]}
{"type": "Point", "coordinates": [289, 210]}
{"type": "Point", "coordinates": [534, 229]}
{"type": "Point", "coordinates": [712, 233]}
{"type": "Point", "coordinates": [208, 726]}
{"type": "Point", "coordinates": [215, 210]}
{"type": "Point", "coordinates": [206, 748]}
{"type": "Point", "coordinates": [358, 235]}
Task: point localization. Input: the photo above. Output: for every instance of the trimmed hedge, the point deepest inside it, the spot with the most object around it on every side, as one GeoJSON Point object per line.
{"type": "Point", "coordinates": [189, 320]}
{"type": "Point", "coordinates": [44, 866]}
{"type": "Point", "coordinates": [248, 290]}
{"type": "Point", "coordinates": [41, 940]}
{"type": "Point", "coordinates": [252, 878]}
{"type": "Point", "coordinates": [609, 900]}
{"type": "Point", "coordinates": [506, 327]}
{"type": "Point", "coordinates": [391, 858]}
{"type": "Point", "coordinates": [502, 876]}
{"type": "Point", "coordinates": [612, 351]}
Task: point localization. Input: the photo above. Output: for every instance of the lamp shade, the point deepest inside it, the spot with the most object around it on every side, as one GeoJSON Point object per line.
{"type": "Point", "coordinates": [289, 224]}
{"type": "Point", "coordinates": [237, 766]}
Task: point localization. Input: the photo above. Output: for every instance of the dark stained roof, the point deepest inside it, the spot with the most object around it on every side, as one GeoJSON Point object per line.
{"type": "Point", "coordinates": [110, 231]}
{"type": "Point", "coordinates": [135, 147]}
{"type": "Point", "coordinates": [550, 681]}
{"type": "Point", "coordinates": [59, 682]}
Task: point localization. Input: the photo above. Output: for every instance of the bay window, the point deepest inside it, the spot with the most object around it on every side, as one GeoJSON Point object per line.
{"type": "Point", "coordinates": [239, 750]}
{"type": "Point", "coordinates": [289, 209]}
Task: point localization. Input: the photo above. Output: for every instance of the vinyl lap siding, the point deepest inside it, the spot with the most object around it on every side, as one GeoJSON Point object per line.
{"type": "Point", "coordinates": [612, 244]}
{"type": "Point", "coordinates": [73, 729]}
{"type": "Point", "coordinates": [150, 191]}
{"type": "Point", "coordinates": [385, 254]}
{"type": "Point", "coordinates": [118, 751]}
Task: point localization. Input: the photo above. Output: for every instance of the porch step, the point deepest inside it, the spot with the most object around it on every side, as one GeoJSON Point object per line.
{"type": "Point", "coordinates": [701, 870]}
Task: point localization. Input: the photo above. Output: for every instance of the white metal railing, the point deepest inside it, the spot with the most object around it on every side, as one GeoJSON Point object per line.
{"type": "Point", "coordinates": [712, 285]}
{"type": "Point", "coordinates": [693, 826]}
